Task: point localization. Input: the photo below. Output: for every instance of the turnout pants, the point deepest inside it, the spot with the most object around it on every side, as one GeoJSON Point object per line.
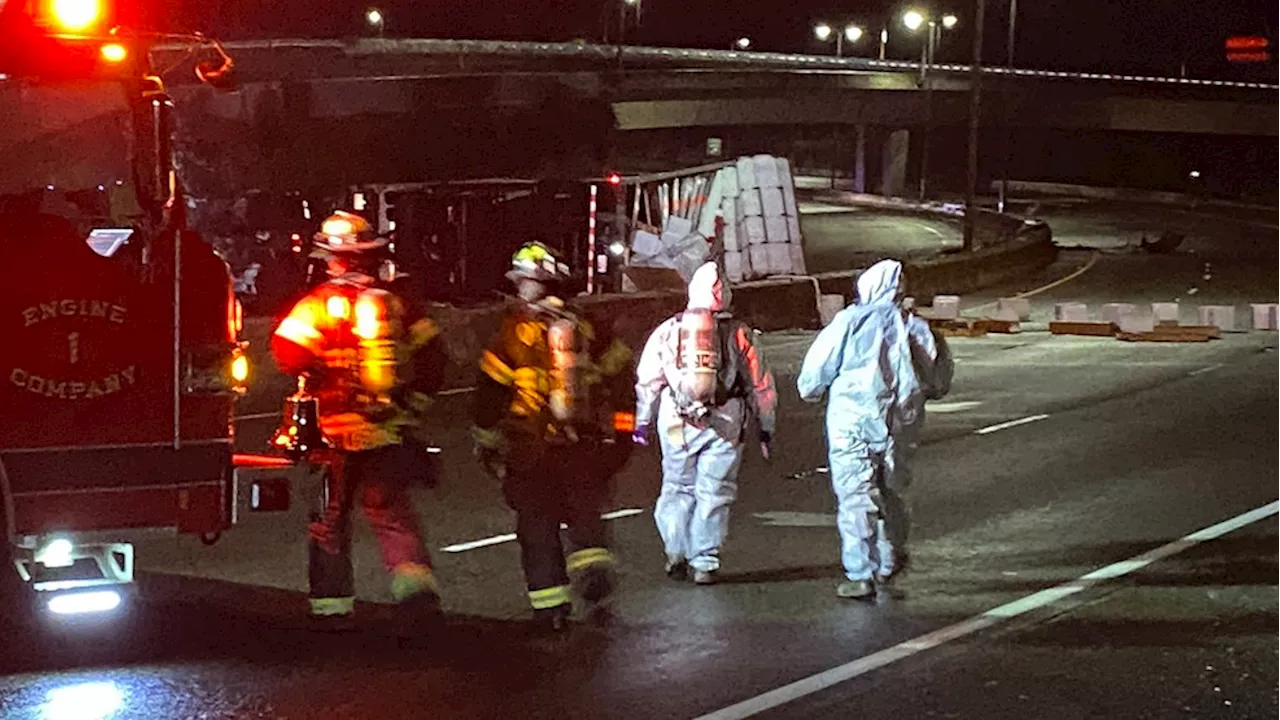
{"type": "Point", "coordinates": [546, 485]}
{"type": "Point", "coordinates": [375, 479]}
{"type": "Point", "coordinates": [870, 482]}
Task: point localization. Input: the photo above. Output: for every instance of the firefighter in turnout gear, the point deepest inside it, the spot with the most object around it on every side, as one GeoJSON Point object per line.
{"type": "Point", "coordinates": [372, 367]}
{"type": "Point", "coordinates": [546, 424]}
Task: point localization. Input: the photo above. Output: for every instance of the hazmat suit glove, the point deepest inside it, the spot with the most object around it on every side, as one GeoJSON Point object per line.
{"type": "Point", "coordinates": [766, 445]}
{"type": "Point", "coordinates": [641, 435]}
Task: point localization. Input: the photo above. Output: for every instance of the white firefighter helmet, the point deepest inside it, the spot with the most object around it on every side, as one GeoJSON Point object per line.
{"type": "Point", "coordinates": [344, 232]}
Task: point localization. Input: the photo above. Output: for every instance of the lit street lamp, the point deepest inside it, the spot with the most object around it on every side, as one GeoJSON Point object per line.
{"type": "Point", "coordinates": [850, 34]}
{"type": "Point", "coordinates": [884, 40]}
{"type": "Point", "coordinates": [742, 43]}
{"type": "Point", "coordinates": [376, 20]}
{"type": "Point", "coordinates": [915, 20]}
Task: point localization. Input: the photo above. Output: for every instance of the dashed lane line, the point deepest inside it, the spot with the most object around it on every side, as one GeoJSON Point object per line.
{"type": "Point", "coordinates": [508, 537]}
{"type": "Point", "coordinates": [1006, 425]}
{"type": "Point", "coordinates": [863, 665]}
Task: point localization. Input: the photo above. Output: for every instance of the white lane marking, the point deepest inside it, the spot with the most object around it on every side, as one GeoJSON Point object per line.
{"type": "Point", "coordinates": [508, 537]}
{"type": "Point", "coordinates": [1203, 370]}
{"type": "Point", "coordinates": [789, 518]}
{"type": "Point", "coordinates": [843, 673]}
{"type": "Point", "coordinates": [930, 228]}
{"type": "Point", "coordinates": [952, 407]}
{"type": "Point", "coordinates": [456, 391]}
{"type": "Point", "coordinates": [1007, 425]}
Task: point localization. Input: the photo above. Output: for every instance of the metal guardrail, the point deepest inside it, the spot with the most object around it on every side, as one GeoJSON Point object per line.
{"type": "Point", "coordinates": [640, 54]}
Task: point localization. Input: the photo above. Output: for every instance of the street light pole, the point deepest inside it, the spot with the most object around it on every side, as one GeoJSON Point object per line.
{"type": "Point", "coordinates": [926, 59]}
{"type": "Point", "coordinates": [884, 40]}
{"type": "Point", "coordinates": [975, 109]}
{"type": "Point", "coordinates": [1008, 115]}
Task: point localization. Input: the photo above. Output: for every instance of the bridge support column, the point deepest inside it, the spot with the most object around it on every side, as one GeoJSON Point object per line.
{"type": "Point", "coordinates": [860, 160]}
{"type": "Point", "coordinates": [893, 179]}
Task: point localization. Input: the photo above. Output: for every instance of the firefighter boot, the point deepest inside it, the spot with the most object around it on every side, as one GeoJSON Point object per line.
{"type": "Point", "coordinates": [592, 571]}
{"type": "Point", "coordinates": [552, 619]}
{"type": "Point", "coordinates": [417, 596]}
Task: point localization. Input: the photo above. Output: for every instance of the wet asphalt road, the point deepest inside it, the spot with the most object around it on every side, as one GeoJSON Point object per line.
{"type": "Point", "coordinates": [837, 238]}
{"type": "Point", "coordinates": [1142, 445]}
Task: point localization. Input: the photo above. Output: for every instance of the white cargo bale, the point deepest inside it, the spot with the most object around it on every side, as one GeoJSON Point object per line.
{"type": "Point", "coordinates": [766, 167]}
{"type": "Point", "coordinates": [752, 229]}
{"type": "Point", "coordinates": [779, 259]}
{"type": "Point", "coordinates": [746, 174]}
{"type": "Point", "coordinates": [749, 203]}
{"type": "Point", "coordinates": [1113, 312]}
{"type": "Point", "coordinates": [784, 176]}
{"type": "Point", "coordinates": [946, 307]}
{"type": "Point", "coordinates": [908, 303]}
{"type": "Point", "coordinates": [737, 266]}
{"type": "Point", "coordinates": [677, 228]}
{"type": "Point", "coordinates": [789, 201]}
{"type": "Point", "coordinates": [758, 256]}
{"type": "Point", "coordinates": [775, 229]}
{"type": "Point", "coordinates": [1222, 317]}
{"type": "Point", "coordinates": [1017, 308]}
{"type": "Point", "coordinates": [645, 244]}
{"type": "Point", "coordinates": [729, 207]}
{"type": "Point", "coordinates": [1166, 312]}
{"type": "Point", "coordinates": [793, 229]}
{"type": "Point", "coordinates": [798, 266]}
{"type": "Point", "coordinates": [1006, 313]}
{"type": "Point", "coordinates": [828, 306]}
{"type": "Point", "coordinates": [1266, 316]}
{"type": "Point", "coordinates": [729, 180]}
{"type": "Point", "coordinates": [1072, 312]}
{"type": "Point", "coordinates": [771, 202]}
{"type": "Point", "coordinates": [729, 236]}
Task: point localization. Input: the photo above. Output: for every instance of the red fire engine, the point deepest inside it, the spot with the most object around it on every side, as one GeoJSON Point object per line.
{"type": "Point", "coordinates": [122, 362]}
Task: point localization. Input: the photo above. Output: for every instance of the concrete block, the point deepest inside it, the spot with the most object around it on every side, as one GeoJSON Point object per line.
{"type": "Point", "coordinates": [1113, 312]}
{"type": "Point", "coordinates": [1166, 312]}
{"type": "Point", "coordinates": [1135, 323]}
{"type": "Point", "coordinates": [946, 307]}
{"type": "Point", "coordinates": [1071, 312]}
{"type": "Point", "coordinates": [828, 306]}
{"type": "Point", "coordinates": [1222, 317]}
{"type": "Point", "coordinates": [1266, 316]}
{"type": "Point", "coordinates": [1018, 308]}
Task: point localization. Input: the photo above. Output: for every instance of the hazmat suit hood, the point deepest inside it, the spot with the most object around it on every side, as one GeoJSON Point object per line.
{"type": "Point", "coordinates": [708, 290]}
{"type": "Point", "coordinates": [879, 283]}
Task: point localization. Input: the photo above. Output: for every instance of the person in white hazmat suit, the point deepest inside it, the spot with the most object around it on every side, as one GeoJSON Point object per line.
{"type": "Point", "coordinates": [699, 379]}
{"type": "Point", "coordinates": [879, 364]}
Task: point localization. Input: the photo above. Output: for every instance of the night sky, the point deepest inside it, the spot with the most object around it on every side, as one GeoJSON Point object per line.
{"type": "Point", "coordinates": [1150, 36]}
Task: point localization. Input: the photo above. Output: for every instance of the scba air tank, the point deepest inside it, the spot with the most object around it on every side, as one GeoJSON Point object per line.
{"type": "Point", "coordinates": [698, 356]}
{"type": "Point", "coordinates": [567, 387]}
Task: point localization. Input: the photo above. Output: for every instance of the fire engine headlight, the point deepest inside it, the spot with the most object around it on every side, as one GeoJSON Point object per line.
{"type": "Point", "coordinates": [240, 368]}
{"type": "Point", "coordinates": [56, 553]}
{"type": "Point", "coordinates": [617, 248]}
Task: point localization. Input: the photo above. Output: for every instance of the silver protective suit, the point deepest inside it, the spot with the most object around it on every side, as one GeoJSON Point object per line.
{"type": "Point", "coordinates": [700, 464]}
{"type": "Point", "coordinates": [866, 361]}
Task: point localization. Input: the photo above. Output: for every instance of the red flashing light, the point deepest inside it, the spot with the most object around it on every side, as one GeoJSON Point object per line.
{"type": "Point", "coordinates": [1247, 42]}
{"type": "Point", "coordinates": [1261, 56]}
{"type": "Point", "coordinates": [613, 179]}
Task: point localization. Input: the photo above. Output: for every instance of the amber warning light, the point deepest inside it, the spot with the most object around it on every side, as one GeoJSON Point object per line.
{"type": "Point", "coordinates": [75, 15]}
